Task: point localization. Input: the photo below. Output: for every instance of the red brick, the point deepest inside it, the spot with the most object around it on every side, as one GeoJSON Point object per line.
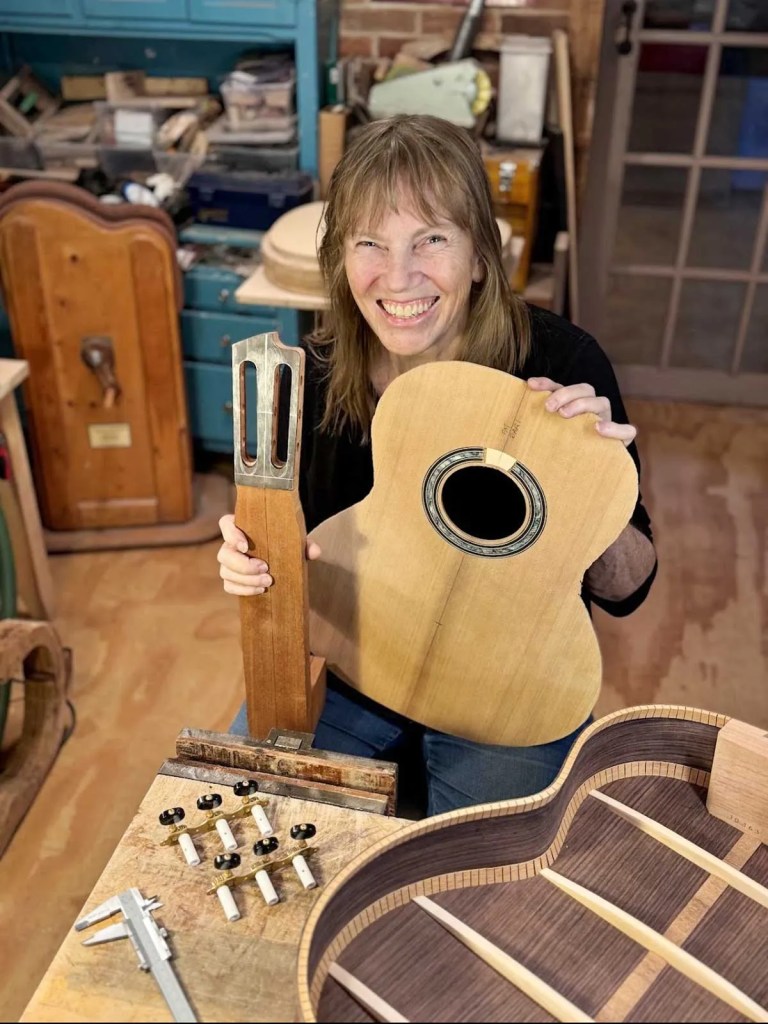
{"type": "Point", "coordinates": [389, 46]}
{"type": "Point", "coordinates": [355, 46]}
{"type": "Point", "coordinates": [435, 20]}
{"type": "Point", "coordinates": [533, 25]}
{"type": "Point", "coordinates": [378, 18]}
{"type": "Point", "coordinates": [534, 5]}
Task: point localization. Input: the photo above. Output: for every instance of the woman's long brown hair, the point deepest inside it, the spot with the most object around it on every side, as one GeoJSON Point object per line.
{"type": "Point", "coordinates": [438, 166]}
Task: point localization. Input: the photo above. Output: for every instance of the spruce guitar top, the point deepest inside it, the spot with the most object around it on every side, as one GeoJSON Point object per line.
{"type": "Point", "coordinates": [632, 889]}
{"type": "Point", "coordinates": [451, 593]}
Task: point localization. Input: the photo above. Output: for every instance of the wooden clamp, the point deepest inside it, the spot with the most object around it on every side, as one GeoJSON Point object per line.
{"type": "Point", "coordinates": [284, 685]}
{"type": "Point", "coordinates": [46, 670]}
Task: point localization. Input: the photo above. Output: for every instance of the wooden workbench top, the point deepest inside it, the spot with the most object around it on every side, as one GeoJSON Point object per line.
{"type": "Point", "coordinates": [258, 290]}
{"type": "Point", "coordinates": [240, 971]}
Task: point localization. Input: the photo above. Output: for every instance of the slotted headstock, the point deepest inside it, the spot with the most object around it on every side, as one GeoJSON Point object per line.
{"type": "Point", "coordinates": [274, 405]}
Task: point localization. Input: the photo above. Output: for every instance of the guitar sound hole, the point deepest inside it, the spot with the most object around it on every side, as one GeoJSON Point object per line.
{"type": "Point", "coordinates": [483, 502]}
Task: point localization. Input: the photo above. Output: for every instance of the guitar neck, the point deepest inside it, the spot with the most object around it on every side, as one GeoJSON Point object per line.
{"type": "Point", "coordinates": [279, 687]}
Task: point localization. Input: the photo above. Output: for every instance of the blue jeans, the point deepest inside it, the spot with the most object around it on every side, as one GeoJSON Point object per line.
{"type": "Point", "coordinates": [437, 770]}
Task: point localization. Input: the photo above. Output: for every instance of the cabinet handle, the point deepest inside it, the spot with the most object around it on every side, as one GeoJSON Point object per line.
{"type": "Point", "coordinates": [225, 340]}
{"type": "Point", "coordinates": [628, 9]}
{"type": "Point", "coordinates": [227, 407]}
{"type": "Point", "coordinates": [223, 294]}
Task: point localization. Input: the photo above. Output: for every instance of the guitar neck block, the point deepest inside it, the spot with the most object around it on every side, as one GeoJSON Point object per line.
{"type": "Point", "coordinates": [738, 788]}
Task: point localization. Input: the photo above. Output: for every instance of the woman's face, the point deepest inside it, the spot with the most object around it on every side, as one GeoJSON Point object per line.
{"type": "Point", "coordinates": [411, 280]}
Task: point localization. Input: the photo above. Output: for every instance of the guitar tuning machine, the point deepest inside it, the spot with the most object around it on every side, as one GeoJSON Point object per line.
{"type": "Point", "coordinates": [301, 833]}
{"type": "Point", "coordinates": [263, 848]}
{"type": "Point", "coordinates": [209, 803]}
{"type": "Point", "coordinates": [253, 804]}
{"type": "Point", "coordinates": [172, 818]}
{"type": "Point", "coordinates": [225, 863]}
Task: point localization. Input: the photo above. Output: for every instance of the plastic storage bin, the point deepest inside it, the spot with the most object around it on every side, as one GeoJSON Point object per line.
{"type": "Point", "coordinates": [245, 199]}
{"type": "Point", "coordinates": [250, 104]}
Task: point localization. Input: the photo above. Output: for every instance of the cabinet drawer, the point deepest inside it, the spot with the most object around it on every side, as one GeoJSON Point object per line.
{"type": "Point", "coordinates": [212, 288]}
{"type": "Point", "coordinates": [210, 336]}
{"type": "Point", "coordinates": [244, 12]}
{"type": "Point", "coordinates": [136, 9]}
{"type": "Point", "coordinates": [61, 8]}
{"type": "Point", "coordinates": [209, 395]}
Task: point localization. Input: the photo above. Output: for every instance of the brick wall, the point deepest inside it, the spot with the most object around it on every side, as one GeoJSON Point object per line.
{"type": "Point", "coordinates": [378, 28]}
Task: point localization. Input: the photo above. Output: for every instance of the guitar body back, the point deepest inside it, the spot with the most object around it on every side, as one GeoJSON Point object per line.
{"type": "Point", "coordinates": [451, 593]}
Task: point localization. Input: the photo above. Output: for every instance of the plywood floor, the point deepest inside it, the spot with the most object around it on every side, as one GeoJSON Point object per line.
{"type": "Point", "coordinates": [156, 647]}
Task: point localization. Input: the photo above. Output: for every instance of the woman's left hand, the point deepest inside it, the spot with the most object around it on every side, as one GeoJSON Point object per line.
{"type": "Point", "coordinates": [576, 399]}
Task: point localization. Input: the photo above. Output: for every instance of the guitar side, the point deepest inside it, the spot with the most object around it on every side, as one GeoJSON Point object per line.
{"type": "Point", "coordinates": [656, 873]}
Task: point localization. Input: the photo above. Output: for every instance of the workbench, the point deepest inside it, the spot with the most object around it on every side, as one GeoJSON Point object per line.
{"type": "Point", "coordinates": [239, 971]}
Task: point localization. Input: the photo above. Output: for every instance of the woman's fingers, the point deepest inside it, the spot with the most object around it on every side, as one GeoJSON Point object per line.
{"type": "Point", "coordinates": [577, 405]}
{"type": "Point", "coordinates": [621, 431]}
{"type": "Point", "coordinates": [231, 534]}
{"type": "Point", "coordinates": [313, 550]}
{"type": "Point", "coordinates": [240, 591]}
{"type": "Point", "coordinates": [576, 399]}
{"type": "Point", "coordinates": [248, 578]}
{"type": "Point", "coordinates": [237, 562]}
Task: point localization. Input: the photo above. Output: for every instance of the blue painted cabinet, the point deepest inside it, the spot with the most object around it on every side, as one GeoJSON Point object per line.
{"type": "Point", "coordinates": [58, 8]}
{"type": "Point", "coordinates": [178, 37]}
{"type": "Point", "coordinates": [135, 9]}
{"type": "Point", "coordinates": [307, 27]}
{"type": "Point", "coordinates": [211, 322]}
{"type": "Point", "coordinates": [252, 12]}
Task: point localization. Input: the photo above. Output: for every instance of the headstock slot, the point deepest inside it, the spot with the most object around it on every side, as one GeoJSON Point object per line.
{"type": "Point", "coordinates": [277, 394]}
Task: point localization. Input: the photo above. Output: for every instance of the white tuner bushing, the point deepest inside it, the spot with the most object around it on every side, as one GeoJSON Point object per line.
{"type": "Point", "coordinates": [264, 883]}
{"type": "Point", "coordinates": [262, 821]}
{"type": "Point", "coordinates": [191, 856]}
{"type": "Point", "coordinates": [229, 841]}
{"type": "Point", "coordinates": [227, 901]}
{"type": "Point", "coordinates": [302, 870]}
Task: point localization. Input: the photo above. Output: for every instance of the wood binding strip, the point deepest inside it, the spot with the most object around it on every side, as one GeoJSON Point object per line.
{"type": "Point", "coordinates": [507, 966]}
{"type": "Point", "coordinates": [374, 1004]}
{"type": "Point", "coordinates": [657, 943]}
{"type": "Point", "coordinates": [492, 876]}
{"type": "Point", "coordinates": [695, 854]}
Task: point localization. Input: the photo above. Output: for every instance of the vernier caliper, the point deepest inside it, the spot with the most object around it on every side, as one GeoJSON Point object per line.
{"type": "Point", "coordinates": [147, 938]}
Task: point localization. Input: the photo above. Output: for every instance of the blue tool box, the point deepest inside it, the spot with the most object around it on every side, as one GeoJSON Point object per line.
{"type": "Point", "coordinates": [246, 199]}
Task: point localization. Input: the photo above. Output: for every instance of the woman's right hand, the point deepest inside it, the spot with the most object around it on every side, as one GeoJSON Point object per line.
{"type": "Point", "coordinates": [243, 574]}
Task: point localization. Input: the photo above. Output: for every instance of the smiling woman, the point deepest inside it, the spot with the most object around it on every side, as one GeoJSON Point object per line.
{"type": "Point", "coordinates": [412, 262]}
{"type": "Point", "coordinates": [411, 280]}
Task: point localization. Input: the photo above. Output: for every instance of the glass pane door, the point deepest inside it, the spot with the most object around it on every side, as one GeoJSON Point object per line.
{"type": "Point", "coordinates": [675, 216]}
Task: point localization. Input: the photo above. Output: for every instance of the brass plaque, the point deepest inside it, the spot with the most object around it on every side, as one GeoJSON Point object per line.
{"type": "Point", "coordinates": [109, 435]}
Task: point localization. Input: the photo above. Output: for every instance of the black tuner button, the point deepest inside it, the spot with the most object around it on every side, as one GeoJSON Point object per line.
{"type": "Point", "coordinates": [226, 861]}
{"type": "Point", "coordinates": [265, 846]}
{"type": "Point", "coordinates": [171, 816]}
{"type": "Point", "coordinates": [208, 802]}
{"type": "Point", "coordinates": [304, 831]}
{"type": "Point", "coordinates": [246, 787]}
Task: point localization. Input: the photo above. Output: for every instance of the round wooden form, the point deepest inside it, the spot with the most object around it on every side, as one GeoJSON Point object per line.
{"type": "Point", "coordinates": [483, 865]}
{"type": "Point", "coordinates": [289, 250]}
